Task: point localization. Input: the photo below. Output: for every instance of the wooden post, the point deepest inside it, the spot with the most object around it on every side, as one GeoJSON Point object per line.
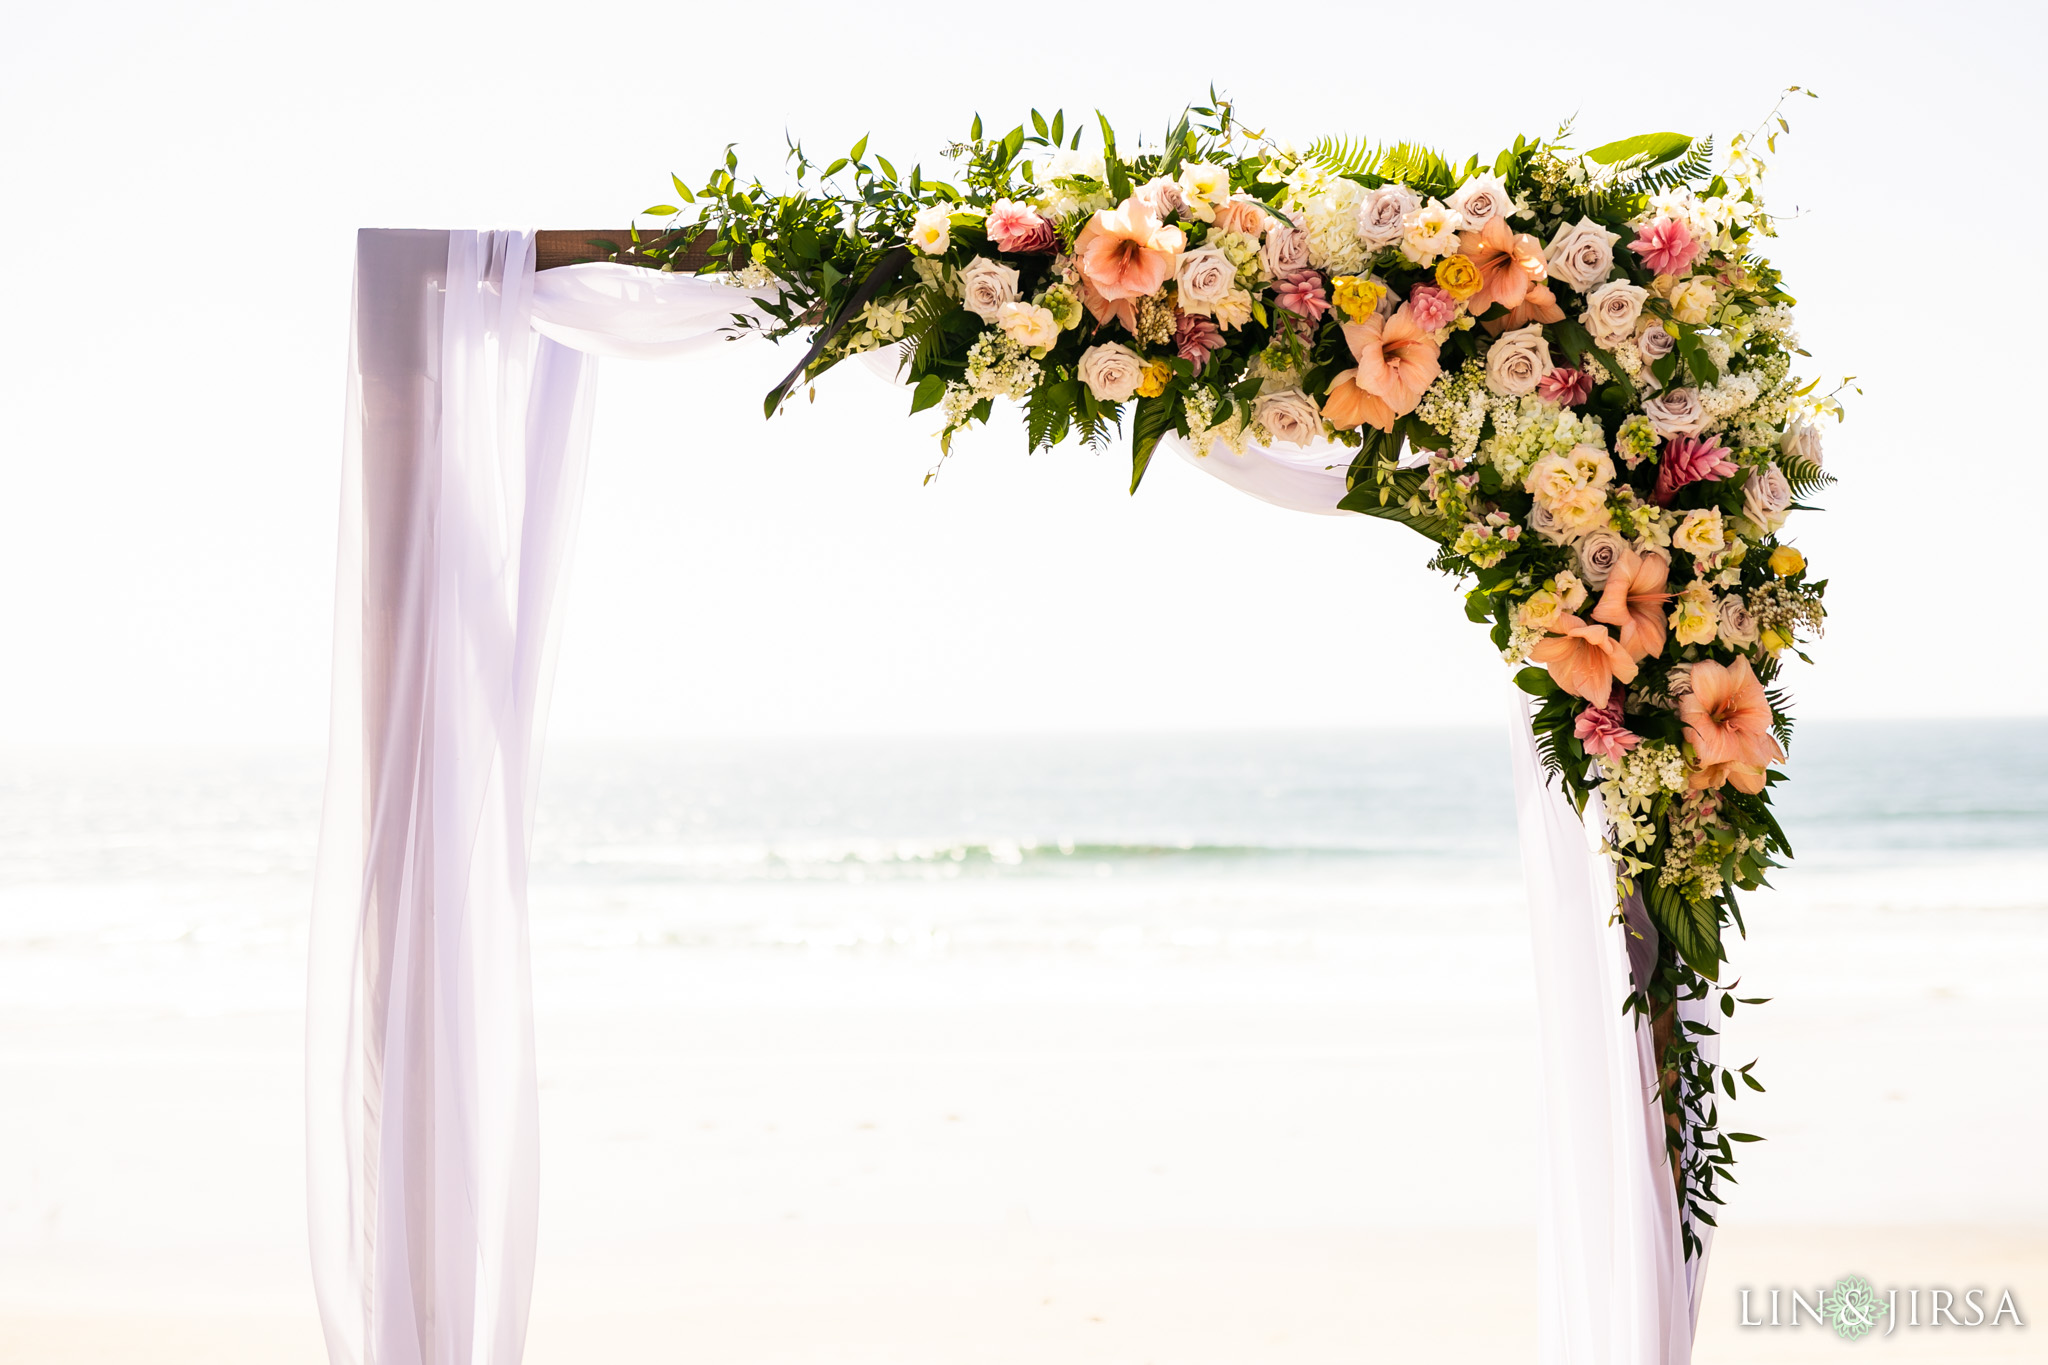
{"type": "Point", "coordinates": [571, 246]}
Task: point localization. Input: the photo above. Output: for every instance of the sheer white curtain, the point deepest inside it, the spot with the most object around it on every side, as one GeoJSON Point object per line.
{"type": "Point", "coordinates": [468, 419]}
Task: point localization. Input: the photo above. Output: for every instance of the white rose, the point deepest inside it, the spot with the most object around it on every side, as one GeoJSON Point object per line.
{"type": "Point", "coordinates": [1598, 554]}
{"type": "Point", "coordinates": [1111, 371]}
{"type": "Point", "coordinates": [1480, 200]}
{"type": "Point", "coordinates": [1551, 479]}
{"type": "Point", "coordinates": [1030, 326]}
{"type": "Point", "coordinates": [985, 286]}
{"type": "Point", "coordinates": [1070, 163]}
{"type": "Point", "coordinates": [1429, 232]}
{"type": "Point", "coordinates": [1652, 340]}
{"type": "Point", "coordinates": [1701, 533]}
{"type": "Point", "coordinates": [1286, 248]}
{"type": "Point", "coordinates": [1206, 276]}
{"type": "Point", "coordinates": [1384, 212]}
{"type": "Point", "coordinates": [1676, 413]}
{"type": "Point", "coordinates": [1581, 255]}
{"type": "Point", "coordinates": [1517, 362]}
{"type": "Point", "coordinates": [1290, 415]}
{"type": "Point", "coordinates": [1801, 441]}
{"type": "Point", "coordinates": [1766, 496]}
{"type": "Point", "coordinates": [1203, 187]}
{"type": "Point", "coordinates": [1737, 626]}
{"type": "Point", "coordinates": [931, 231]}
{"type": "Point", "coordinates": [1612, 309]}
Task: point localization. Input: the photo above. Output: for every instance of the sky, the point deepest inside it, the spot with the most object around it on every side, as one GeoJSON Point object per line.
{"type": "Point", "coordinates": [184, 183]}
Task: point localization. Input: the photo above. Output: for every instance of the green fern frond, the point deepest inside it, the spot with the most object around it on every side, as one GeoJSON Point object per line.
{"type": "Point", "coordinates": [1696, 165]}
{"type": "Point", "coordinates": [923, 339]}
{"type": "Point", "coordinates": [1806, 477]}
{"type": "Point", "coordinates": [1345, 156]}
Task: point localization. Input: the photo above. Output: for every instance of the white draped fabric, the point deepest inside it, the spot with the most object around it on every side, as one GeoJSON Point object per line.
{"type": "Point", "coordinates": [470, 387]}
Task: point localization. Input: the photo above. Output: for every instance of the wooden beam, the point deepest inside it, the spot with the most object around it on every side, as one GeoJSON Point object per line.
{"type": "Point", "coordinates": [570, 246]}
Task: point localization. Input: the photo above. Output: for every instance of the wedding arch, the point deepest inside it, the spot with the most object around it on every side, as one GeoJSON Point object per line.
{"type": "Point", "coordinates": [1570, 371]}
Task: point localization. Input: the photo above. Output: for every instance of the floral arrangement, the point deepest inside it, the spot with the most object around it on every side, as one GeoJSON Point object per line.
{"type": "Point", "coordinates": [1569, 370]}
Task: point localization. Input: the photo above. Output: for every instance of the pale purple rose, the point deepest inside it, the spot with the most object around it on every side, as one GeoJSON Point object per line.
{"type": "Point", "coordinates": [1676, 413]}
{"type": "Point", "coordinates": [1653, 341]}
{"type": "Point", "coordinates": [1384, 213]}
{"type": "Point", "coordinates": [1286, 247]}
{"type": "Point", "coordinates": [1431, 307]}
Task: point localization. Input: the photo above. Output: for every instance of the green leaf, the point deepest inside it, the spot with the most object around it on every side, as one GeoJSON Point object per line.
{"type": "Point", "coordinates": [859, 149]}
{"type": "Point", "coordinates": [1038, 124]}
{"type": "Point", "coordinates": [929, 391]}
{"type": "Point", "coordinates": [661, 210]}
{"type": "Point", "coordinates": [974, 133]}
{"type": "Point", "coordinates": [1154, 419]}
{"type": "Point", "coordinates": [1744, 1137]}
{"type": "Point", "coordinates": [887, 169]}
{"type": "Point", "coordinates": [836, 167]}
{"type": "Point", "coordinates": [682, 189]}
{"type": "Point", "coordinates": [1536, 682]}
{"type": "Point", "coordinates": [1657, 148]}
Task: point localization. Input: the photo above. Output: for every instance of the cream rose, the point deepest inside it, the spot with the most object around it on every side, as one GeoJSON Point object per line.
{"type": "Point", "coordinates": [1677, 412]}
{"type": "Point", "coordinates": [1111, 371]}
{"type": "Point", "coordinates": [1653, 341]}
{"type": "Point", "coordinates": [1581, 255]}
{"type": "Point", "coordinates": [1569, 589]}
{"type": "Point", "coordinates": [1612, 309]}
{"type": "Point", "coordinates": [1693, 301]}
{"type": "Point", "coordinates": [1766, 496]}
{"type": "Point", "coordinates": [1073, 163]}
{"type": "Point", "coordinates": [1737, 626]}
{"type": "Point", "coordinates": [1383, 213]}
{"type": "Point", "coordinates": [1801, 441]}
{"type": "Point", "coordinates": [931, 231]}
{"type": "Point", "coordinates": [1517, 362]}
{"type": "Point", "coordinates": [1540, 611]}
{"type": "Point", "coordinates": [1599, 552]}
{"type": "Point", "coordinates": [1030, 326]}
{"type": "Point", "coordinates": [1701, 533]}
{"type": "Point", "coordinates": [1693, 618]}
{"type": "Point", "coordinates": [985, 286]}
{"type": "Point", "coordinates": [1592, 464]}
{"type": "Point", "coordinates": [1551, 478]}
{"type": "Point", "coordinates": [1286, 248]}
{"type": "Point", "coordinates": [1206, 276]}
{"type": "Point", "coordinates": [1582, 512]}
{"type": "Point", "coordinates": [1429, 232]}
{"type": "Point", "coordinates": [1289, 415]}
{"type": "Point", "coordinates": [1480, 200]}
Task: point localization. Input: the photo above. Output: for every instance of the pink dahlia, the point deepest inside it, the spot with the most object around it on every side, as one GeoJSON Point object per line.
{"type": "Point", "coordinates": [1688, 459]}
{"type": "Point", "coordinates": [1431, 307]}
{"type": "Point", "coordinates": [1196, 338]}
{"type": "Point", "coordinates": [1302, 294]}
{"type": "Point", "coordinates": [1667, 246]}
{"type": "Point", "coordinates": [1601, 730]}
{"type": "Point", "coordinates": [1017, 228]}
{"type": "Point", "coordinates": [1565, 387]}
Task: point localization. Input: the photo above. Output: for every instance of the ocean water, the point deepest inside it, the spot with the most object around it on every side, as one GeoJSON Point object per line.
{"type": "Point", "coordinates": [170, 879]}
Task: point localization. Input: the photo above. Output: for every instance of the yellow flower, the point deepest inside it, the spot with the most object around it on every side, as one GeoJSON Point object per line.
{"type": "Point", "coordinates": [1158, 374]}
{"type": "Point", "coordinates": [1772, 641]}
{"type": "Point", "coordinates": [1358, 297]}
{"type": "Point", "coordinates": [1458, 277]}
{"type": "Point", "coordinates": [1786, 561]}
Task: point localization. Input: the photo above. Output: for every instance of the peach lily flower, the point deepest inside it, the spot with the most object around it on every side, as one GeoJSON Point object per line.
{"type": "Point", "coordinates": [1103, 310]}
{"type": "Point", "coordinates": [1509, 262]}
{"type": "Point", "coordinates": [1349, 406]}
{"type": "Point", "coordinates": [1633, 602]}
{"type": "Point", "coordinates": [1583, 659]}
{"type": "Point", "coordinates": [1537, 305]}
{"type": "Point", "coordinates": [1396, 359]}
{"type": "Point", "coordinates": [1126, 252]}
{"type": "Point", "coordinates": [1728, 723]}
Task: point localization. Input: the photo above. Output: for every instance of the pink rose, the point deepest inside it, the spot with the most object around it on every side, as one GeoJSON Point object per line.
{"type": "Point", "coordinates": [1431, 307]}
{"type": "Point", "coordinates": [1676, 413]}
{"type": "Point", "coordinates": [1286, 248]}
{"type": "Point", "coordinates": [1566, 387]}
{"type": "Point", "coordinates": [1242, 215]}
{"type": "Point", "coordinates": [1667, 247]}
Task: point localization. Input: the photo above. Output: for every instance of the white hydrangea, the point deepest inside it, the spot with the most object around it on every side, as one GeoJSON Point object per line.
{"type": "Point", "coordinates": [1329, 208]}
{"type": "Point", "coordinates": [1528, 428]}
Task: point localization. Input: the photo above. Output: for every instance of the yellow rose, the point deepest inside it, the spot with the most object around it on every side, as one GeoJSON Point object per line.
{"type": "Point", "coordinates": [1541, 610]}
{"type": "Point", "coordinates": [1772, 641]}
{"type": "Point", "coordinates": [1154, 380]}
{"type": "Point", "coordinates": [1458, 277]}
{"type": "Point", "coordinates": [1786, 561]}
{"type": "Point", "coordinates": [1693, 302]}
{"type": "Point", "coordinates": [1693, 618]}
{"type": "Point", "coordinates": [1358, 297]}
